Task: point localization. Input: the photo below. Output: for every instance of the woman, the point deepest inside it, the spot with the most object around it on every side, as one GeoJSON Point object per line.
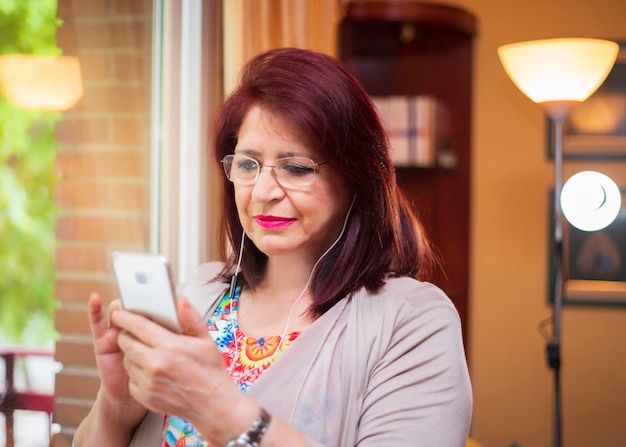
{"type": "Point", "coordinates": [315, 314]}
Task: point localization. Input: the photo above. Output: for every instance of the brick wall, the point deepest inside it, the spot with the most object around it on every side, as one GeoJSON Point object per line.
{"type": "Point", "coordinates": [103, 179]}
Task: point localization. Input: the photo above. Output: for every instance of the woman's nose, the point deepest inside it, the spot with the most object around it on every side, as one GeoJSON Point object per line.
{"type": "Point", "coordinates": [267, 186]}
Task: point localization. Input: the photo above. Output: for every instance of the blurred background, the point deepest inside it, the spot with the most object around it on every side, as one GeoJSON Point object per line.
{"type": "Point", "coordinates": [116, 158]}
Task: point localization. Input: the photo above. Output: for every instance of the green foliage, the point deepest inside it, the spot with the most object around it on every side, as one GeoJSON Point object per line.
{"type": "Point", "coordinates": [27, 209]}
{"type": "Point", "coordinates": [28, 27]}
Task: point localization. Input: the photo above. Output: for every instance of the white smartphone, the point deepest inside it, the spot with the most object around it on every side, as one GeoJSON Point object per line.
{"type": "Point", "coordinates": [145, 284]}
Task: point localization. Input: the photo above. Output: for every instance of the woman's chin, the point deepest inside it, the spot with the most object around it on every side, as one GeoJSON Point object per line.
{"type": "Point", "coordinates": [270, 246]}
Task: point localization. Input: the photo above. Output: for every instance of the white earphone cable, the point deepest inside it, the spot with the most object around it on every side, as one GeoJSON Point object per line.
{"type": "Point", "coordinates": [306, 286]}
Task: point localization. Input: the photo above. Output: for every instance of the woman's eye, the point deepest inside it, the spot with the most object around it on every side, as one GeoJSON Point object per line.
{"type": "Point", "coordinates": [247, 165]}
{"type": "Point", "coordinates": [297, 170]}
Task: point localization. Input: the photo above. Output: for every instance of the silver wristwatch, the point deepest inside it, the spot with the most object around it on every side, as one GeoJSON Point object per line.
{"type": "Point", "coordinates": [253, 436]}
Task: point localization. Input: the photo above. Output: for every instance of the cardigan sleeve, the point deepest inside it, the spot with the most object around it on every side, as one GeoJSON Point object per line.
{"type": "Point", "coordinates": [418, 391]}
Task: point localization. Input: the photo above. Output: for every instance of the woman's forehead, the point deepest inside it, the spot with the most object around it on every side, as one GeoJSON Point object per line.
{"type": "Point", "coordinates": [263, 131]}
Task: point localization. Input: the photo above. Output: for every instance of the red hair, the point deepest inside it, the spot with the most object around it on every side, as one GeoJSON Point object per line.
{"type": "Point", "coordinates": [321, 98]}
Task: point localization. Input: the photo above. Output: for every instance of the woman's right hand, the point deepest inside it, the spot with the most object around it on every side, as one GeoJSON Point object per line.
{"type": "Point", "coordinates": [109, 359]}
{"type": "Point", "coordinates": [115, 413]}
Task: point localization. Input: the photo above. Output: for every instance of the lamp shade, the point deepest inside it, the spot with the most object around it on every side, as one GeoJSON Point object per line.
{"type": "Point", "coordinates": [590, 200]}
{"type": "Point", "coordinates": [41, 82]}
{"type": "Point", "coordinates": [563, 69]}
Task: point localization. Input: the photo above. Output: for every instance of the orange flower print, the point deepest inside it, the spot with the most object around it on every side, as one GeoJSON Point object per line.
{"type": "Point", "coordinates": [259, 351]}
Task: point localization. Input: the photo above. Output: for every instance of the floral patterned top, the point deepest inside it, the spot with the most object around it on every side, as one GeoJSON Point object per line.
{"type": "Point", "coordinates": [245, 357]}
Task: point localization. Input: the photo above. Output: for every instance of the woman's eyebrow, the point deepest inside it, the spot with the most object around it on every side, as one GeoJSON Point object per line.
{"type": "Point", "coordinates": [248, 152]}
{"type": "Point", "coordinates": [281, 154]}
{"type": "Point", "coordinates": [295, 153]}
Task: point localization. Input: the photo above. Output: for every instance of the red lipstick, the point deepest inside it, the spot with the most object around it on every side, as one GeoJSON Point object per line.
{"type": "Point", "coordinates": [273, 221]}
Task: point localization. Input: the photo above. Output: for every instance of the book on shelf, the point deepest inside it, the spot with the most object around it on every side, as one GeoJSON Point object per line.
{"type": "Point", "coordinates": [411, 123]}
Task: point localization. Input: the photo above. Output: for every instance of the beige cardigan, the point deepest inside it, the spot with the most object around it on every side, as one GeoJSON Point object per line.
{"type": "Point", "coordinates": [385, 369]}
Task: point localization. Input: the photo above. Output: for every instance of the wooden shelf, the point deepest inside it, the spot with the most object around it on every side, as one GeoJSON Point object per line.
{"type": "Point", "coordinates": [412, 48]}
{"type": "Point", "coordinates": [429, 14]}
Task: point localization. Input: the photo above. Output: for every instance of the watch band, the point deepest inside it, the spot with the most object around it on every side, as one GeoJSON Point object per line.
{"type": "Point", "coordinates": [252, 437]}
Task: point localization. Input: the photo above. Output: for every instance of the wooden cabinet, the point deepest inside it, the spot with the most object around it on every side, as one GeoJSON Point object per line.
{"type": "Point", "coordinates": [411, 48]}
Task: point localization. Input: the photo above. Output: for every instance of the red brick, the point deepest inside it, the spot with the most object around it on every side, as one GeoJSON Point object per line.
{"type": "Point", "coordinates": [66, 38]}
{"type": "Point", "coordinates": [134, 7]}
{"type": "Point", "coordinates": [79, 8]}
{"type": "Point", "coordinates": [126, 99]}
{"type": "Point", "coordinates": [82, 130]}
{"type": "Point", "coordinates": [71, 353]}
{"type": "Point", "coordinates": [69, 414]}
{"type": "Point", "coordinates": [131, 67]}
{"type": "Point", "coordinates": [94, 66]}
{"type": "Point", "coordinates": [134, 34]}
{"type": "Point", "coordinates": [129, 196]}
{"type": "Point", "coordinates": [78, 290]}
{"type": "Point", "coordinates": [102, 194]}
{"type": "Point", "coordinates": [62, 439]}
{"type": "Point", "coordinates": [81, 259]}
{"type": "Point", "coordinates": [81, 193]}
{"type": "Point", "coordinates": [130, 34]}
{"type": "Point", "coordinates": [110, 229]}
{"type": "Point", "coordinates": [72, 321]}
{"type": "Point", "coordinates": [76, 386]}
{"type": "Point", "coordinates": [133, 131]}
{"type": "Point", "coordinates": [80, 37]}
{"type": "Point", "coordinates": [102, 163]}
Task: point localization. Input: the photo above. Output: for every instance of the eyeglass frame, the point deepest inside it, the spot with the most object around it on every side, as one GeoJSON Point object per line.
{"type": "Point", "coordinates": [229, 159]}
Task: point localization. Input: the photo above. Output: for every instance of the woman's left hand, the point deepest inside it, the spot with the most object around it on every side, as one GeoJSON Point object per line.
{"type": "Point", "coordinates": [177, 374]}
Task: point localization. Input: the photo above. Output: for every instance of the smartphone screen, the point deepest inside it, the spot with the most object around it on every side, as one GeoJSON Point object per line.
{"type": "Point", "coordinates": [145, 285]}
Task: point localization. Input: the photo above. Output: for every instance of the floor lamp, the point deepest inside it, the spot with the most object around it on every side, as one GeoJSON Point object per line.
{"type": "Point", "coordinates": [558, 74]}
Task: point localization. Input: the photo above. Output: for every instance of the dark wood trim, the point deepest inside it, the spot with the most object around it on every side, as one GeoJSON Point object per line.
{"type": "Point", "coordinates": [431, 13]}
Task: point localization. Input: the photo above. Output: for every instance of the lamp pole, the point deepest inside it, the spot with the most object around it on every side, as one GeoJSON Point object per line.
{"type": "Point", "coordinates": [553, 348]}
{"type": "Point", "coordinates": [557, 111]}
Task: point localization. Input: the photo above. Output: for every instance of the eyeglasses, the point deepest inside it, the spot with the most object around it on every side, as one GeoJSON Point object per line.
{"type": "Point", "coordinates": [295, 172]}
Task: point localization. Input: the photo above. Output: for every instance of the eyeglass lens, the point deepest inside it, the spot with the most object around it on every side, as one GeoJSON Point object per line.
{"type": "Point", "coordinates": [288, 171]}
